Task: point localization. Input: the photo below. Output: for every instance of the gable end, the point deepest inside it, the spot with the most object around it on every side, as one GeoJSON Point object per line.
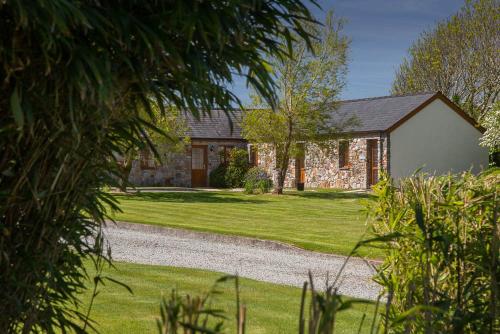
{"type": "Point", "coordinates": [448, 102]}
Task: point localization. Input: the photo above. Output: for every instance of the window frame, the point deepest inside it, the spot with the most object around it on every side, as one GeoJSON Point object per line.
{"type": "Point", "coordinates": [147, 160]}
{"type": "Point", "coordinates": [224, 151]}
{"type": "Point", "coordinates": [253, 158]}
{"type": "Point", "coordinates": [344, 154]}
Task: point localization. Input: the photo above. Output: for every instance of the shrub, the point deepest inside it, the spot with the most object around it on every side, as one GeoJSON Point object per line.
{"type": "Point", "coordinates": [442, 270]}
{"type": "Point", "coordinates": [217, 178]}
{"type": "Point", "coordinates": [257, 181]}
{"type": "Point", "coordinates": [237, 168]}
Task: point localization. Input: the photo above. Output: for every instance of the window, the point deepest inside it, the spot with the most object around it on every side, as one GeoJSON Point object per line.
{"type": "Point", "coordinates": [147, 160]}
{"type": "Point", "coordinates": [254, 156]}
{"type": "Point", "coordinates": [224, 151]}
{"type": "Point", "coordinates": [343, 154]}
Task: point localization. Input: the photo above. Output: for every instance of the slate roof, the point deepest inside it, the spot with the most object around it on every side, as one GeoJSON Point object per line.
{"type": "Point", "coordinates": [216, 125]}
{"type": "Point", "coordinates": [375, 114]}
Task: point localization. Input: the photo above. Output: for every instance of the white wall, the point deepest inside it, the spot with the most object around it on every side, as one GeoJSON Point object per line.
{"type": "Point", "coordinates": [438, 139]}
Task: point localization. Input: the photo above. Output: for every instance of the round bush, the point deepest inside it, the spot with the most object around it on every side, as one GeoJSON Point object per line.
{"type": "Point", "coordinates": [237, 168]}
{"type": "Point", "coordinates": [257, 181]}
{"type": "Point", "coordinates": [217, 178]}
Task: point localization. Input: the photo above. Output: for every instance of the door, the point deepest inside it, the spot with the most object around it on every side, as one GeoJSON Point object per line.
{"type": "Point", "coordinates": [300, 171]}
{"type": "Point", "coordinates": [372, 160]}
{"type": "Point", "coordinates": [199, 166]}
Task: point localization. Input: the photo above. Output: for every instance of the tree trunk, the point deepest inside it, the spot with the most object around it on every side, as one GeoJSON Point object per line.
{"type": "Point", "coordinates": [281, 179]}
{"type": "Point", "coordinates": [284, 160]}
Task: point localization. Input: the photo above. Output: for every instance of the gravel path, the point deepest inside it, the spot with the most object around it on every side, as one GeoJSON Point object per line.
{"type": "Point", "coordinates": [257, 259]}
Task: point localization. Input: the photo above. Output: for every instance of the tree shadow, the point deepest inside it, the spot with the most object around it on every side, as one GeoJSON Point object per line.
{"type": "Point", "coordinates": [330, 195]}
{"type": "Point", "coordinates": [192, 197]}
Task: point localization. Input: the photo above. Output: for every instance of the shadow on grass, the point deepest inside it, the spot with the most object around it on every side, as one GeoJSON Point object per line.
{"type": "Point", "coordinates": [194, 197]}
{"type": "Point", "coordinates": [330, 195]}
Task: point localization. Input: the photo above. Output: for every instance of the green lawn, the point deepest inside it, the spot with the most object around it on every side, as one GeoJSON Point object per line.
{"type": "Point", "coordinates": [325, 221]}
{"type": "Point", "coordinates": [271, 308]}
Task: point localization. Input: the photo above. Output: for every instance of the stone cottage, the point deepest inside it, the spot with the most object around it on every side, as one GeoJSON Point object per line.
{"type": "Point", "coordinates": [395, 134]}
{"type": "Point", "coordinates": [211, 138]}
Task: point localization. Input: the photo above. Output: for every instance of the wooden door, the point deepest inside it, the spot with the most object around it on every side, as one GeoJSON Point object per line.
{"type": "Point", "coordinates": [199, 166]}
{"type": "Point", "coordinates": [372, 160]}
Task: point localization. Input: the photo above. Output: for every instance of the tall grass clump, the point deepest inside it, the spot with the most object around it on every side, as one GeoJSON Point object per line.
{"type": "Point", "coordinates": [319, 311]}
{"type": "Point", "coordinates": [441, 272]}
{"type": "Point", "coordinates": [195, 314]}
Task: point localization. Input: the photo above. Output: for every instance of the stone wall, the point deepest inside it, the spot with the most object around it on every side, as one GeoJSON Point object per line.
{"type": "Point", "coordinates": [322, 164]}
{"type": "Point", "coordinates": [322, 167]}
{"type": "Point", "coordinates": [176, 171]}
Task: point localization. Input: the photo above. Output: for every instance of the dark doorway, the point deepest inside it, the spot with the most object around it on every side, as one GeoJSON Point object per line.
{"type": "Point", "coordinates": [372, 161]}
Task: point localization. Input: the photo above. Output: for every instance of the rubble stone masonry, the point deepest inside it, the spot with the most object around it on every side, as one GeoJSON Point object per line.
{"type": "Point", "coordinates": [176, 171]}
{"type": "Point", "coordinates": [322, 165]}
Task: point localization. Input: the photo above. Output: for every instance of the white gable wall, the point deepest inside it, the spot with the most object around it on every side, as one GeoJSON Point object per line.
{"type": "Point", "coordinates": [437, 139]}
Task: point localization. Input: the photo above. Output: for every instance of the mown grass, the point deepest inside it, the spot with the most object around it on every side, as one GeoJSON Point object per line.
{"type": "Point", "coordinates": [271, 308]}
{"type": "Point", "coordinates": [326, 221]}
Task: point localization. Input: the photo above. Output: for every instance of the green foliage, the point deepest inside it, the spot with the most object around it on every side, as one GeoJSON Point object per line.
{"type": "Point", "coordinates": [217, 177]}
{"type": "Point", "coordinates": [491, 122]}
{"type": "Point", "coordinates": [237, 167]}
{"type": "Point", "coordinates": [232, 173]}
{"type": "Point", "coordinates": [458, 57]}
{"type": "Point", "coordinates": [441, 272]}
{"type": "Point", "coordinates": [80, 81]}
{"type": "Point", "coordinates": [308, 88]}
{"type": "Point", "coordinates": [257, 181]}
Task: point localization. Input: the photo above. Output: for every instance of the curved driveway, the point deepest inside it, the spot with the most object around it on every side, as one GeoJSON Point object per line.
{"type": "Point", "coordinates": [257, 259]}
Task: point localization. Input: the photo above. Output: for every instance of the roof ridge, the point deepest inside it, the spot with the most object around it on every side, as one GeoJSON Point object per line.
{"type": "Point", "coordinates": [388, 96]}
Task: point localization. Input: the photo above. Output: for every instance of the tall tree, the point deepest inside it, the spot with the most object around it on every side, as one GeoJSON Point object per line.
{"type": "Point", "coordinates": [72, 77]}
{"type": "Point", "coordinates": [458, 57]}
{"type": "Point", "coordinates": [308, 87]}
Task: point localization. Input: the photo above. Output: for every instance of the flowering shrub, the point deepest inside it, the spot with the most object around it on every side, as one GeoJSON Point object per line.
{"type": "Point", "coordinates": [257, 181]}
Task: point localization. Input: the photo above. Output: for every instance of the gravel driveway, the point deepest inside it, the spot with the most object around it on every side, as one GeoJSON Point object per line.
{"type": "Point", "coordinates": [257, 259]}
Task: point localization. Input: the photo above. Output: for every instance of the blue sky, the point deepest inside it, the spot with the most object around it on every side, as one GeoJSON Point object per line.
{"type": "Point", "coordinates": [381, 31]}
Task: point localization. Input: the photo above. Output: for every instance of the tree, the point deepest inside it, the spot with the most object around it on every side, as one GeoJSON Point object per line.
{"type": "Point", "coordinates": [458, 57]}
{"type": "Point", "coordinates": [308, 88]}
{"type": "Point", "coordinates": [491, 137]}
{"type": "Point", "coordinates": [76, 80]}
